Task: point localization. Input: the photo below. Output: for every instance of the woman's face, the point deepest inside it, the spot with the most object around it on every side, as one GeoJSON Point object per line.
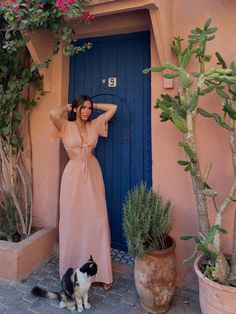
{"type": "Point", "coordinates": [84, 111]}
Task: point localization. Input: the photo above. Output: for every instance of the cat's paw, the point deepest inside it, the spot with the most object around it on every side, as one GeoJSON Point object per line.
{"type": "Point", "coordinates": [62, 305]}
{"type": "Point", "coordinates": [80, 309]}
{"type": "Point", "coordinates": [87, 306]}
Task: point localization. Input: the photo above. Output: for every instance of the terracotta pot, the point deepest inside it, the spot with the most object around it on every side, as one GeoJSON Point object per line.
{"type": "Point", "coordinates": [155, 276]}
{"type": "Point", "coordinates": [214, 297]}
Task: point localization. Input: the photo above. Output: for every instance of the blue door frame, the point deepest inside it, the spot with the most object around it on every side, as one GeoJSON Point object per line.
{"type": "Point", "coordinates": [111, 72]}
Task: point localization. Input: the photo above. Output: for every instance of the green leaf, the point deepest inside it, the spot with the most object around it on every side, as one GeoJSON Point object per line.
{"type": "Point", "coordinates": [211, 37]}
{"type": "Point", "coordinates": [179, 122]}
{"type": "Point", "coordinates": [204, 113]}
{"type": "Point", "coordinates": [188, 168]}
{"type": "Point", "coordinates": [224, 71]}
{"type": "Point", "coordinates": [207, 24]}
{"type": "Point", "coordinates": [146, 71]}
{"type": "Point", "coordinates": [230, 110]}
{"type": "Point", "coordinates": [218, 119]}
{"type": "Point", "coordinates": [221, 60]}
{"type": "Point", "coordinates": [16, 116]}
{"type": "Point", "coordinates": [187, 237]}
{"type": "Point", "coordinates": [14, 141]}
{"type": "Point", "coordinates": [158, 69]}
{"type": "Point", "coordinates": [206, 90]}
{"type": "Point", "coordinates": [211, 234]}
{"type": "Point", "coordinates": [207, 58]}
{"type": "Point", "coordinates": [171, 75]}
{"type": "Point", "coordinates": [186, 58]}
{"type": "Point", "coordinates": [195, 74]}
{"type": "Point", "coordinates": [179, 110]}
{"type": "Point", "coordinates": [171, 66]}
{"type": "Point", "coordinates": [164, 106]}
{"type": "Point", "coordinates": [6, 131]}
{"type": "Point", "coordinates": [183, 162]}
{"type": "Point", "coordinates": [222, 230]}
{"type": "Point", "coordinates": [165, 115]}
{"type": "Point", "coordinates": [211, 30]}
{"type": "Point", "coordinates": [215, 116]}
{"type": "Point", "coordinates": [229, 79]}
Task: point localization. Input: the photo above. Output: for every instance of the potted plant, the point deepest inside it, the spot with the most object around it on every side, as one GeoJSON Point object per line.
{"type": "Point", "coordinates": [213, 269]}
{"type": "Point", "coordinates": [147, 222]}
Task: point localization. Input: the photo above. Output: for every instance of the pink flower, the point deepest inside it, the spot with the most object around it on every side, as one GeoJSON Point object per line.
{"type": "Point", "coordinates": [18, 18]}
{"type": "Point", "coordinates": [64, 8]}
{"type": "Point", "coordinates": [86, 16]}
{"type": "Point", "coordinates": [16, 8]}
{"type": "Point", "coordinates": [71, 1]}
{"type": "Point", "coordinates": [41, 6]}
{"type": "Point", "coordinates": [59, 3]}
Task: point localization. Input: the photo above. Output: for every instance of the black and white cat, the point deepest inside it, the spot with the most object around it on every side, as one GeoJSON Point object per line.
{"type": "Point", "coordinates": [75, 285]}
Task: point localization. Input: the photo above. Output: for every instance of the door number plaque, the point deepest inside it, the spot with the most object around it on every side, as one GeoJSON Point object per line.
{"type": "Point", "coordinates": [112, 82]}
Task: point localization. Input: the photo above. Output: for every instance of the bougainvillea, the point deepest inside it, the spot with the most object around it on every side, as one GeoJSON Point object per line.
{"type": "Point", "coordinates": [18, 20]}
{"type": "Point", "coordinates": [30, 15]}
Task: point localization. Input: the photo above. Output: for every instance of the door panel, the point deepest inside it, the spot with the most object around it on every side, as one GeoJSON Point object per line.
{"type": "Point", "coordinates": [125, 156]}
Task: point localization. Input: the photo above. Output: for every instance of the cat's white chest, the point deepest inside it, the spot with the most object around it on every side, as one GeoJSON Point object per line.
{"type": "Point", "coordinates": [84, 282]}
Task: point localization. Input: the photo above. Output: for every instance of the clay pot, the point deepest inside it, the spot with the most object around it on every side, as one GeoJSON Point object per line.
{"type": "Point", "coordinates": [214, 297]}
{"type": "Point", "coordinates": [155, 276]}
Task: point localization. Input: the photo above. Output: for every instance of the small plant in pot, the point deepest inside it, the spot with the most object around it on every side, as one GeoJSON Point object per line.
{"type": "Point", "coordinates": [147, 222]}
{"type": "Point", "coordinates": [182, 111]}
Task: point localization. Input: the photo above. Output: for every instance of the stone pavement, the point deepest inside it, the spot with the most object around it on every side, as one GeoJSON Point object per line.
{"type": "Point", "coordinates": [15, 297]}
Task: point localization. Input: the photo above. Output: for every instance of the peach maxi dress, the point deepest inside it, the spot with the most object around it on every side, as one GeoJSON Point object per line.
{"type": "Point", "coordinates": [83, 225]}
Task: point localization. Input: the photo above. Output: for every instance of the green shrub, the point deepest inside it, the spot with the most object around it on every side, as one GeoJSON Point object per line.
{"type": "Point", "coordinates": [147, 220]}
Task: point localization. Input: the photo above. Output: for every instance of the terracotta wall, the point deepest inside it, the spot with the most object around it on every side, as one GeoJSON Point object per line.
{"type": "Point", "coordinates": [167, 175]}
{"type": "Point", "coordinates": [46, 150]}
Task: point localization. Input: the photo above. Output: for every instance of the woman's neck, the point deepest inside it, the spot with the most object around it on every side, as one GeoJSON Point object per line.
{"type": "Point", "coordinates": [80, 122]}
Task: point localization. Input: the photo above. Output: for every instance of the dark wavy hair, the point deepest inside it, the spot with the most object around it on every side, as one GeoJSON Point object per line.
{"type": "Point", "coordinates": [78, 101]}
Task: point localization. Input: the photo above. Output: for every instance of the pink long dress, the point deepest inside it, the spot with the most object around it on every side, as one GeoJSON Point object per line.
{"type": "Point", "coordinates": [83, 225]}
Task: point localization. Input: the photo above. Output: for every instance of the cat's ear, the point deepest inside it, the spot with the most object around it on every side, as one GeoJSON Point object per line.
{"type": "Point", "coordinates": [91, 258]}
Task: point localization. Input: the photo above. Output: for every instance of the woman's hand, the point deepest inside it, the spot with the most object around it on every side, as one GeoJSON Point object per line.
{"type": "Point", "coordinates": [57, 115]}
{"type": "Point", "coordinates": [69, 107]}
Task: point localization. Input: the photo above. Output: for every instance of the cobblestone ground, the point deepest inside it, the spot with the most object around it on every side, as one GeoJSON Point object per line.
{"type": "Point", "coordinates": [15, 297]}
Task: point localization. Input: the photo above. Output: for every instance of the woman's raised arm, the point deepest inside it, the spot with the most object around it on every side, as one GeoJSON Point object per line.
{"type": "Point", "coordinates": [110, 110]}
{"type": "Point", "coordinates": [57, 115]}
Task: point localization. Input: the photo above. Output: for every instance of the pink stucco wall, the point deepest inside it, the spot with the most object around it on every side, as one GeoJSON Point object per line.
{"type": "Point", "coordinates": [170, 178]}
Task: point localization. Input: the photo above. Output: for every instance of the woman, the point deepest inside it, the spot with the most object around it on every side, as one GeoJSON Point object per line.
{"type": "Point", "coordinates": [83, 226]}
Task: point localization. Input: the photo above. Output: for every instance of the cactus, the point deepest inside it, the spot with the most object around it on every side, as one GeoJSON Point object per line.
{"type": "Point", "coordinates": [183, 110]}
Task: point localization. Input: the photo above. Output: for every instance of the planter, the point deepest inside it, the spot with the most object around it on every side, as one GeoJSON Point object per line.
{"type": "Point", "coordinates": [214, 297]}
{"type": "Point", "coordinates": [155, 276]}
{"type": "Point", "coordinates": [18, 260]}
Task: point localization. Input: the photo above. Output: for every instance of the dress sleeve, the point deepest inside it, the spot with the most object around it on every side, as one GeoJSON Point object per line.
{"type": "Point", "coordinates": [101, 125]}
{"type": "Point", "coordinates": [56, 133]}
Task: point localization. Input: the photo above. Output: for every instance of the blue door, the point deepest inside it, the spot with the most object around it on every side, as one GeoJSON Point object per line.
{"type": "Point", "coordinates": [111, 72]}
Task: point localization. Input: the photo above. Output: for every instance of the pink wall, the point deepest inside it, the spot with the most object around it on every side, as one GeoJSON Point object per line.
{"type": "Point", "coordinates": [46, 157]}
{"type": "Point", "coordinates": [170, 178]}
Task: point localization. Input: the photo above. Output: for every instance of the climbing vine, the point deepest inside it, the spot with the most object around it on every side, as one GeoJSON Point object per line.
{"type": "Point", "coordinates": [18, 75]}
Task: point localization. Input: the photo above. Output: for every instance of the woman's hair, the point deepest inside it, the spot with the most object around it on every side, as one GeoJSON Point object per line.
{"type": "Point", "coordinates": [78, 101]}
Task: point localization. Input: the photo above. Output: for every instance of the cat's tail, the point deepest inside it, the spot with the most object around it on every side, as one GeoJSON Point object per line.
{"type": "Point", "coordinates": [39, 292]}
